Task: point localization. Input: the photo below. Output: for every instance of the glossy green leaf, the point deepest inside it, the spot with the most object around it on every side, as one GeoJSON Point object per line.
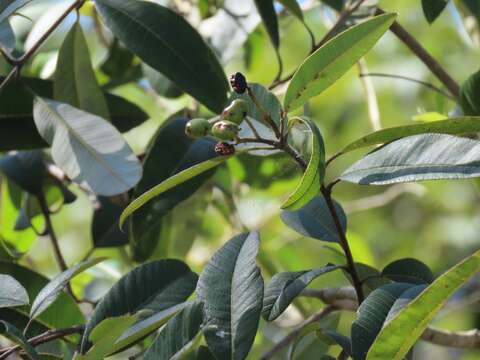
{"type": "Point", "coordinates": [17, 128]}
{"type": "Point", "coordinates": [469, 95]}
{"type": "Point", "coordinates": [313, 176]}
{"type": "Point", "coordinates": [104, 229]}
{"type": "Point", "coordinates": [155, 286]}
{"type": "Point", "coordinates": [231, 288]}
{"type": "Point", "coordinates": [284, 287]}
{"type": "Point", "coordinates": [162, 85]}
{"type": "Point", "coordinates": [453, 126]}
{"type": "Point", "coordinates": [87, 148]}
{"type": "Point", "coordinates": [334, 59]}
{"type": "Point", "coordinates": [26, 168]}
{"type": "Point", "coordinates": [7, 37]}
{"type": "Point", "coordinates": [399, 335]}
{"type": "Point", "coordinates": [75, 81]}
{"type": "Point", "coordinates": [177, 338]}
{"type": "Point", "coordinates": [417, 158]}
{"type": "Point", "coordinates": [268, 102]}
{"type": "Point", "coordinates": [293, 7]}
{"type": "Point", "coordinates": [403, 300]}
{"type": "Point", "coordinates": [170, 183]}
{"type": "Point", "coordinates": [169, 152]}
{"type": "Point", "coordinates": [314, 220]}
{"type": "Point", "coordinates": [12, 293]}
{"type": "Point", "coordinates": [170, 45]}
{"type": "Point", "coordinates": [53, 289]}
{"type": "Point", "coordinates": [409, 271]}
{"type": "Point", "coordinates": [16, 335]}
{"type": "Point", "coordinates": [371, 316]}
{"type": "Point", "coordinates": [433, 8]}
{"type": "Point", "coordinates": [269, 17]}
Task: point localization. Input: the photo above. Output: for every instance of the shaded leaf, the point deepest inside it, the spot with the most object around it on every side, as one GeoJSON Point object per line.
{"type": "Point", "coordinates": [231, 288]}
{"type": "Point", "coordinates": [269, 17]}
{"type": "Point", "coordinates": [284, 287]}
{"type": "Point", "coordinates": [334, 59]}
{"type": "Point", "coordinates": [8, 7]}
{"type": "Point", "coordinates": [469, 95]}
{"type": "Point", "coordinates": [87, 148]}
{"type": "Point", "coordinates": [160, 83]}
{"type": "Point", "coordinates": [314, 220]}
{"type": "Point", "coordinates": [170, 45]}
{"type": "Point", "coordinates": [26, 168]}
{"type": "Point", "coordinates": [433, 8]}
{"type": "Point", "coordinates": [293, 7]}
{"type": "Point", "coordinates": [16, 335]}
{"type": "Point", "coordinates": [12, 293]}
{"type": "Point", "coordinates": [409, 271]}
{"type": "Point", "coordinates": [417, 158]}
{"type": "Point", "coordinates": [104, 229]}
{"type": "Point", "coordinates": [7, 37]}
{"type": "Point", "coordinates": [400, 334]}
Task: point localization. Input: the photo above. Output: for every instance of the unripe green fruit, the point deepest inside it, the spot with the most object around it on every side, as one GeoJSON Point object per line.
{"type": "Point", "coordinates": [196, 128]}
{"type": "Point", "coordinates": [225, 130]}
{"type": "Point", "coordinates": [236, 111]}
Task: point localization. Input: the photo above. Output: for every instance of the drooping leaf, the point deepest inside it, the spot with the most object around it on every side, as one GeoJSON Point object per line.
{"type": "Point", "coordinates": [417, 158]}
{"type": "Point", "coordinates": [269, 17]}
{"type": "Point", "coordinates": [7, 37]}
{"type": "Point", "coordinates": [176, 339]}
{"type": "Point", "coordinates": [453, 126]}
{"type": "Point", "coordinates": [26, 168]}
{"type": "Point", "coordinates": [155, 286]}
{"type": "Point", "coordinates": [231, 288]}
{"type": "Point", "coordinates": [313, 176]}
{"type": "Point", "coordinates": [398, 336]}
{"type": "Point", "coordinates": [53, 289]}
{"type": "Point", "coordinates": [334, 59]}
{"type": "Point", "coordinates": [170, 45]}
{"type": "Point", "coordinates": [284, 287]}
{"type": "Point", "coordinates": [87, 148]}
{"type": "Point", "coordinates": [12, 293]}
{"type": "Point", "coordinates": [408, 270]}
{"type": "Point", "coordinates": [75, 81]}
{"type": "Point", "coordinates": [162, 85]}
{"type": "Point", "coordinates": [16, 335]}
{"type": "Point", "coordinates": [469, 95]}
{"type": "Point", "coordinates": [371, 316]}
{"type": "Point", "coordinates": [170, 152]}
{"type": "Point", "coordinates": [433, 8]}
{"type": "Point", "coordinates": [104, 229]}
{"type": "Point", "coordinates": [268, 102]}
{"type": "Point", "coordinates": [17, 128]}
{"type": "Point", "coordinates": [314, 220]}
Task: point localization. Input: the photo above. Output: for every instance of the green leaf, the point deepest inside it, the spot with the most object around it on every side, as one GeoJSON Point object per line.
{"type": "Point", "coordinates": [16, 335]}
{"type": "Point", "coordinates": [12, 293]}
{"type": "Point", "coordinates": [284, 287]}
{"type": "Point", "coordinates": [53, 289]}
{"type": "Point", "coordinates": [371, 316]}
{"type": "Point", "coordinates": [269, 17]}
{"type": "Point", "coordinates": [314, 220]}
{"type": "Point", "coordinates": [104, 229]}
{"type": "Point", "coordinates": [453, 126]}
{"type": "Point", "coordinates": [335, 4]}
{"type": "Point", "coordinates": [313, 176]}
{"type": "Point", "coordinates": [27, 169]}
{"type": "Point", "coordinates": [75, 81]}
{"type": "Point", "coordinates": [417, 158]}
{"type": "Point", "coordinates": [170, 183]}
{"type": "Point", "coordinates": [268, 102]}
{"type": "Point", "coordinates": [334, 59]}
{"type": "Point", "coordinates": [177, 338]}
{"type": "Point", "coordinates": [409, 271]}
{"type": "Point", "coordinates": [169, 44]}
{"type": "Point", "coordinates": [162, 85]}
{"type": "Point", "coordinates": [433, 8]}
{"type": "Point", "coordinates": [8, 7]}
{"type": "Point", "coordinates": [469, 95]}
{"type": "Point", "coordinates": [170, 152]}
{"type": "Point", "coordinates": [7, 37]}
{"type": "Point", "coordinates": [155, 286]}
{"type": "Point", "coordinates": [339, 339]}
{"type": "Point", "coordinates": [87, 148]}
{"type": "Point", "coordinates": [231, 288]}
{"type": "Point", "coordinates": [293, 7]}
{"type": "Point", "coordinates": [400, 334]}
{"type": "Point", "coordinates": [17, 128]}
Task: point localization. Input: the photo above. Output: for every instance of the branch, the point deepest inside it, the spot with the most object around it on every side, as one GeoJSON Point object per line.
{"type": "Point", "coordinates": [345, 299]}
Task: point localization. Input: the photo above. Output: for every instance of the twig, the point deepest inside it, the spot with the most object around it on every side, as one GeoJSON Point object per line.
{"type": "Point", "coordinates": [266, 116]}
{"type": "Point", "coordinates": [270, 354]}
{"type": "Point", "coordinates": [370, 95]}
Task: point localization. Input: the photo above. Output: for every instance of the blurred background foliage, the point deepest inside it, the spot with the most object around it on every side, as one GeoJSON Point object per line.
{"type": "Point", "coordinates": [436, 222]}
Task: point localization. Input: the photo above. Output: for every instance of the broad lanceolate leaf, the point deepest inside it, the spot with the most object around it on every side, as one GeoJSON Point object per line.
{"type": "Point", "coordinates": [469, 95]}
{"type": "Point", "coordinates": [170, 183]}
{"type": "Point", "coordinates": [313, 176]}
{"type": "Point", "coordinates": [177, 338]}
{"type": "Point", "coordinates": [433, 8]}
{"type": "Point", "coordinates": [88, 148]}
{"type": "Point", "coordinates": [231, 288]}
{"type": "Point", "coordinates": [453, 126]}
{"type": "Point", "coordinates": [269, 16]}
{"type": "Point", "coordinates": [75, 81]}
{"type": "Point", "coordinates": [399, 335]}
{"type": "Point", "coordinates": [314, 220]}
{"type": "Point", "coordinates": [334, 59]}
{"type": "Point", "coordinates": [53, 289]}
{"type": "Point", "coordinates": [155, 286]}
{"type": "Point", "coordinates": [417, 158]}
{"type": "Point", "coordinates": [408, 270]}
{"type": "Point", "coordinates": [284, 287]}
{"type": "Point", "coordinates": [16, 335]}
{"type": "Point", "coordinates": [12, 293]}
{"type": "Point", "coordinates": [169, 44]}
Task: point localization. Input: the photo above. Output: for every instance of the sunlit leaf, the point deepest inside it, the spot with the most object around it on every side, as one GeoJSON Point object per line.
{"type": "Point", "coordinates": [12, 293]}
